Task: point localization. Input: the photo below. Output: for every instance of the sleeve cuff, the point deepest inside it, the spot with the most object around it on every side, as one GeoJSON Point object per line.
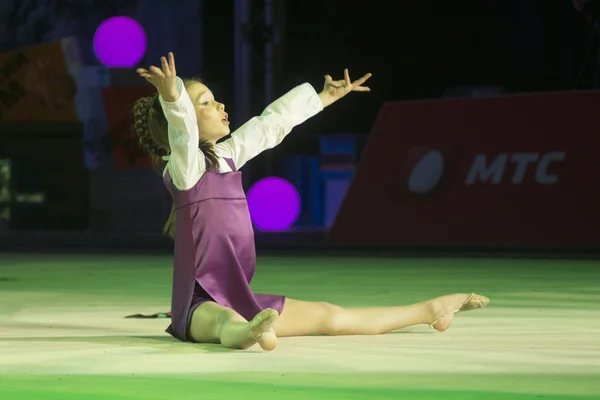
{"type": "Point", "coordinates": [179, 88]}
{"type": "Point", "coordinates": [315, 103]}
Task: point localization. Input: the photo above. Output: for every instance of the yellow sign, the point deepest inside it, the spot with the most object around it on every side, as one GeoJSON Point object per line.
{"type": "Point", "coordinates": [35, 85]}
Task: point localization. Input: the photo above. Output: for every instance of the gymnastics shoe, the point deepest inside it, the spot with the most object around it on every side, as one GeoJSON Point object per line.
{"type": "Point", "coordinates": [263, 323]}
{"type": "Point", "coordinates": [472, 302]}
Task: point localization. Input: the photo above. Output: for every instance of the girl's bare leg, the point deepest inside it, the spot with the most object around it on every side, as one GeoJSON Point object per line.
{"type": "Point", "coordinates": [301, 318]}
{"type": "Point", "coordinates": [212, 323]}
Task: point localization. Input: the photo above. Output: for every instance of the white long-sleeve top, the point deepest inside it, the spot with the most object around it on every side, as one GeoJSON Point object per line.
{"type": "Point", "coordinates": [186, 163]}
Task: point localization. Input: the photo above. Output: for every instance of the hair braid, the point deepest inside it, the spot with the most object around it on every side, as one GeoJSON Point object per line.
{"type": "Point", "coordinates": [142, 110]}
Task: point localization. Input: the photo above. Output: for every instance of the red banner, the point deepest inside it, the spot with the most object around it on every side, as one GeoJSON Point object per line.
{"type": "Point", "coordinates": [118, 103]}
{"type": "Point", "coordinates": [500, 172]}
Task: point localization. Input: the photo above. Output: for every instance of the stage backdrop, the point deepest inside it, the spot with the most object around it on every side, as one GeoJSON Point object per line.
{"type": "Point", "coordinates": [118, 104]}
{"type": "Point", "coordinates": [512, 171]}
{"type": "Point", "coordinates": [36, 84]}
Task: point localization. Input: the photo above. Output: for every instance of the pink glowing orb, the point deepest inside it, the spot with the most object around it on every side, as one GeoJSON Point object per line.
{"type": "Point", "coordinates": [120, 42]}
{"type": "Point", "coordinates": [274, 204]}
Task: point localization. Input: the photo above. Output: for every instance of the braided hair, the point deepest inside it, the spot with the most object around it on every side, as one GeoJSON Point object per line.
{"type": "Point", "coordinates": [151, 127]}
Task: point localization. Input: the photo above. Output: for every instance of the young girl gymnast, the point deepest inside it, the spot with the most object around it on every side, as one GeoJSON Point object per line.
{"type": "Point", "coordinates": [214, 258]}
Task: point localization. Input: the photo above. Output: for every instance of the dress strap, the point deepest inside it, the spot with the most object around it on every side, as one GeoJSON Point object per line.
{"type": "Point", "coordinates": [230, 163]}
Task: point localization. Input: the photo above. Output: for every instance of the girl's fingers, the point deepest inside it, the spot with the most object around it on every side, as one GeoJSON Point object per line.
{"type": "Point", "coordinates": [165, 66]}
{"type": "Point", "coordinates": [172, 62]}
{"type": "Point", "coordinates": [157, 71]}
{"type": "Point", "coordinates": [347, 77]}
{"type": "Point", "coordinates": [362, 80]}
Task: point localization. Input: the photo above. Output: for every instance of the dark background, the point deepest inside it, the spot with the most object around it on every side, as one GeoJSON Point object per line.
{"type": "Point", "coordinates": [415, 50]}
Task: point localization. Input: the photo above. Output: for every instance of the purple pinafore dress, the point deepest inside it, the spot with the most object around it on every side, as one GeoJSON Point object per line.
{"type": "Point", "coordinates": [215, 257]}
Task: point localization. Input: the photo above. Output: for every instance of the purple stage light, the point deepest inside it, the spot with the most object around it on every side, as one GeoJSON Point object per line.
{"type": "Point", "coordinates": [120, 42]}
{"type": "Point", "coordinates": [274, 204]}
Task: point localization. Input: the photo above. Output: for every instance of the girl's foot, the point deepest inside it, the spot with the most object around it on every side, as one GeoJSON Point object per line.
{"type": "Point", "coordinates": [261, 328]}
{"type": "Point", "coordinates": [443, 308]}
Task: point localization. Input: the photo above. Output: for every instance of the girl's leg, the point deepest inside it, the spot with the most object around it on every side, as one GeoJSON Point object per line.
{"type": "Point", "coordinates": [212, 323]}
{"type": "Point", "coordinates": [301, 318]}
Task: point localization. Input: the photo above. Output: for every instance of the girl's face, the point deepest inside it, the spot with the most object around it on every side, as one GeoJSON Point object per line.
{"type": "Point", "coordinates": [213, 122]}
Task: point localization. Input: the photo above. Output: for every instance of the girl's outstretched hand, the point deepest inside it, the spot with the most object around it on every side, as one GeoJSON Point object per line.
{"type": "Point", "coordinates": [163, 78]}
{"type": "Point", "coordinates": [335, 90]}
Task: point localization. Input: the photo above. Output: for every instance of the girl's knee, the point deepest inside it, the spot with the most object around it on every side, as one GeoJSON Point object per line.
{"type": "Point", "coordinates": [333, 319]}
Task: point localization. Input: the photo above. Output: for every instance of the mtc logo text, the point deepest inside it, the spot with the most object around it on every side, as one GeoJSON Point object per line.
{"type": "Point", "coordinates": [493, 171]}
